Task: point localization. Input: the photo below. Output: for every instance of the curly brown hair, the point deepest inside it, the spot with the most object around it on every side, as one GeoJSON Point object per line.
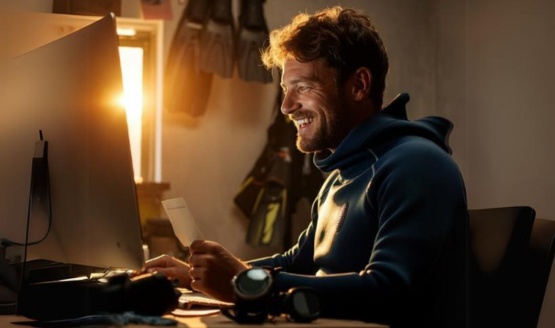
{"type": "Point", "coordinates": [345, 39]}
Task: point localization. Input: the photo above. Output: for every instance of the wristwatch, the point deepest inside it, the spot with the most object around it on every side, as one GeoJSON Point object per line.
{"type": "Point", "coordinates": [253, 283]}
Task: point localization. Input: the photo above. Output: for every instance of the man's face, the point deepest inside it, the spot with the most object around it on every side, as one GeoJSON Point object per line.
{"type": "Point", "coordinates": [314, 102]}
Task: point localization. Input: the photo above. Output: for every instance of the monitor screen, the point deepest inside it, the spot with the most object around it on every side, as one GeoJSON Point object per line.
{"type": "Point", "coordinates": [69, 90]}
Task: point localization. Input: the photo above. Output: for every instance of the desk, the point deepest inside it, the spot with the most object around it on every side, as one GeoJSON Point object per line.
{"type": "Point", "coordinates": [220, 321]}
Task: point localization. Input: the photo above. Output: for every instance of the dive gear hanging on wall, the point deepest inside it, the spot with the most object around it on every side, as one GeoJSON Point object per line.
{"type": "Point", "coordinates": [281, 176]}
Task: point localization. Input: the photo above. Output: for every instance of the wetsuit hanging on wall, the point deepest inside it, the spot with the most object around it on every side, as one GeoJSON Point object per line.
{"type": "Point", "coordinates": [281, 176]}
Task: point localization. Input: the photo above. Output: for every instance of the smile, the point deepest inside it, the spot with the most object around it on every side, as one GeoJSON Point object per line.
{"type": "Point", "coordinates": [303, 122]}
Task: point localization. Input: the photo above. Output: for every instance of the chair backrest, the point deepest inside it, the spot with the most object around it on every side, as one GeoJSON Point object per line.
{"type": "Point", "coordinates": [539, 261]}
{"type": "Point", "coordinates": [498, 245]}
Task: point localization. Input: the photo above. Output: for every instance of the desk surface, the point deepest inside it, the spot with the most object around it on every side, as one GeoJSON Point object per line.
{"type": "Point", "coordinates": [220, 321]}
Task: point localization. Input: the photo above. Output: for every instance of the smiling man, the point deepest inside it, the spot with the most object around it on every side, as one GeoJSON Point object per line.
{"type": "Point", "coordinates": [386, 242]}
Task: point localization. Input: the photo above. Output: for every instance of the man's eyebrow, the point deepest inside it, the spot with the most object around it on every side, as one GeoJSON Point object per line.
{"type": "Point", "coordinates": [292, 82]}
{"type": "Point", "coordinates": [302, 79]}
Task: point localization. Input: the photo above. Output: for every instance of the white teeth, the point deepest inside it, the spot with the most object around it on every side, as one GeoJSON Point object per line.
{"type": "Point", "coordinates": [303, 121]}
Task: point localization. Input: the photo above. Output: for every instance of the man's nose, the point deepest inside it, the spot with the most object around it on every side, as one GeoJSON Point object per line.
{"type": "Point", "coordinates": [289, 104]}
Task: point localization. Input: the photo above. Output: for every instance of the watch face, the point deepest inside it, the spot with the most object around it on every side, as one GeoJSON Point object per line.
{"type": "Point", "coordinates": [252, 283]}
{"type": "Point", "coordinates": [305, 305]}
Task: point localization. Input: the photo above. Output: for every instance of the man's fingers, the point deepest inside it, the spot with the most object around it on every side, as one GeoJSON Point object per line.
{"type": "Point", "coordinates": [197, 271]}
{"type": "Point", "coordinates": [170, 273]}
{"type": "Point", "coordinates": [200, 246]}
{"type": "Point", "coordinates": [160, 261]}
{"type": "Point", "coordinates": [197, 259]}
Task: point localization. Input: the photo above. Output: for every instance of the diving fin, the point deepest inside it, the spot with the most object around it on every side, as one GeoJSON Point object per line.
{"type": "Point", "coordinates": [217, 40]}
{"type": "Point", "coordinates": [251, 38]}
{"type": "Point", "coordinates": [187, 87]}
{"type": "Point", "coordinates": [266, 224]}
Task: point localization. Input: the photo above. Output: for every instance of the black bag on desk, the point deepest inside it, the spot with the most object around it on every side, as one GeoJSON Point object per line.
{"type": "Point", "coordinates": [149, 294]}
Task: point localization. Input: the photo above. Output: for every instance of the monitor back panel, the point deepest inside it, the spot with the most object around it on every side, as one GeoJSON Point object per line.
{"type": "Point", "coordinates": [69, 89]}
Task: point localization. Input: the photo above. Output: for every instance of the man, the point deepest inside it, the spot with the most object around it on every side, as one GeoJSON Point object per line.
{"type": "Point", "coordinates": [387, 238]}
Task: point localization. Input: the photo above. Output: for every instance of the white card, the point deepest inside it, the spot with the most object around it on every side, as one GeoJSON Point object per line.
{"type": "Point", "coordinates": [182, 220]}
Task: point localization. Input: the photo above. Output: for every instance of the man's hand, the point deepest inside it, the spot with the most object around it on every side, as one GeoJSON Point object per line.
{"type": "Point", "coordinates": [212, 268]}
{"type": "Point", "coordinates": [171, 267]}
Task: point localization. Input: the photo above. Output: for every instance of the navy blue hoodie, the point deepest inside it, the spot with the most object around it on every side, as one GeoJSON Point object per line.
{"type": "Point", "coordinates": [387, 238]}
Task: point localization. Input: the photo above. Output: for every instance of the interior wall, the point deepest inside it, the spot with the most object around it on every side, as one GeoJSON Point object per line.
{"type": "Point", "coordinates": [509, 80]}
{"type": "Point", "coordinates": [449, 19]}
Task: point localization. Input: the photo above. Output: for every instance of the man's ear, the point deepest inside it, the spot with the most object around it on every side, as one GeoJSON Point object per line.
{"type": "Point", "coordinates": [362, 80]}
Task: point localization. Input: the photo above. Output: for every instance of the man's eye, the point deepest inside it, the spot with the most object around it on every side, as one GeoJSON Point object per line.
{"type": "Point", "coordinates": [303, 88]}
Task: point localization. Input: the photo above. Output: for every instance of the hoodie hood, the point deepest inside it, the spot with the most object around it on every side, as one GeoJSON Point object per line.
{"type": "Point", "coordinates": [388, 124]}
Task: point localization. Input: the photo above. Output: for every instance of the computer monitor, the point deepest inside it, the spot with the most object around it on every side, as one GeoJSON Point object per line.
{"type": "Point", "coordinates": [69, 89]}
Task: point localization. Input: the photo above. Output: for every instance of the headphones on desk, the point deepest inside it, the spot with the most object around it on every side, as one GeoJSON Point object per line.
{"type": "Point", "coordinates": [256, 302]}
